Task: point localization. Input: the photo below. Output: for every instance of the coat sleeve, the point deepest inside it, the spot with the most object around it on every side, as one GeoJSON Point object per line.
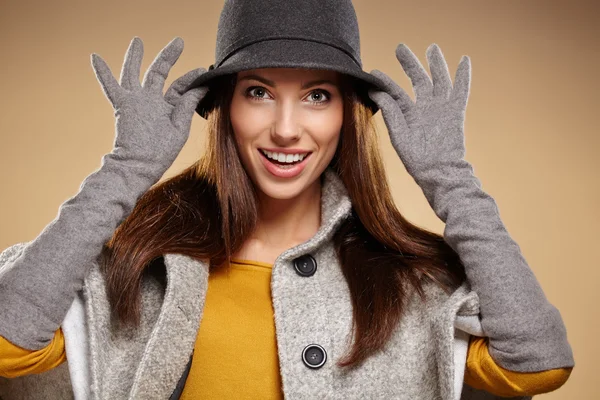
{"type": "Point", "coordinates": [482, 372]}
{"type": "Point", "coordinates": [16, 361]}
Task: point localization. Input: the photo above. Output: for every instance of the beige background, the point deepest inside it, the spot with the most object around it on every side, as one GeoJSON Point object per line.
{"type": "Point", "coordinates": [531, 127]}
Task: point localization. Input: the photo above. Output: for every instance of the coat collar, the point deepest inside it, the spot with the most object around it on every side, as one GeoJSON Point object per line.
{"type": "Point", "coordinates": [335, 208]}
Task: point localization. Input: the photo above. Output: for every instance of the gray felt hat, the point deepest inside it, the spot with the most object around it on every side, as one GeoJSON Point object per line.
{"type": "Point", "coordinates": [320, 34]}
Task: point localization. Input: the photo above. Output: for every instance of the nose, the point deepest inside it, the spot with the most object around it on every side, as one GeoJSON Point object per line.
{"type": "Point", "coordinates": [286, 126]}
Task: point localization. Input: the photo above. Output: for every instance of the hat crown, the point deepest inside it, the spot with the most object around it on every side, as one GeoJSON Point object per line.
{"type": "Point", "coordinates": [244, 22]}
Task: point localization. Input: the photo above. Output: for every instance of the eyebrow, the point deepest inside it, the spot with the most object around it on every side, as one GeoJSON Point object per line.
{"type": "Point", "coordinates": [271, 83]}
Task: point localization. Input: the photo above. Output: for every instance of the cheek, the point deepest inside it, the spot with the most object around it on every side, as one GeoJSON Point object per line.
{"type": "Point", "coordinates": [246, 123]}
{"type": "Point", "coordinates": [327, 127]}
{"type": "Point", "coordinates": [243, 113]}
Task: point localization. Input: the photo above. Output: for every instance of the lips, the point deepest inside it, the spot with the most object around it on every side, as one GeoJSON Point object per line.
{"type": "Point", "coordinates": [275, 168]}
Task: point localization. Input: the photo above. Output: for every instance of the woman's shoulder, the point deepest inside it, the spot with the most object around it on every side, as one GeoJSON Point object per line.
{"type": "Point", "coordinates": [11, 253]}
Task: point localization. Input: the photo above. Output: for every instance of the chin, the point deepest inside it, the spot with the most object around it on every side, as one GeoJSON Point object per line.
{"type": "Point", "coordinates": [281, 190]}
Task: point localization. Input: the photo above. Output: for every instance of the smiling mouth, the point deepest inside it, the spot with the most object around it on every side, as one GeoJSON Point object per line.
{"type": "Point", "coordinates": [293, 159]}
{"type": "Point", "coordinates": [285, 170]}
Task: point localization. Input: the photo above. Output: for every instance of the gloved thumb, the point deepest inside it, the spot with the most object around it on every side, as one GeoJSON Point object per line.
{"type": "Point", "coordinates": [186, 106]}
{"type": "Point", "coordinates": [393, 118]}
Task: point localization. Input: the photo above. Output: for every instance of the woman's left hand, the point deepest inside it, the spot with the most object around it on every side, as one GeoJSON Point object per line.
{"type": "Point", "coordinates": [526, 332]}
{"type": "Point", "coordinates": [426, 133]}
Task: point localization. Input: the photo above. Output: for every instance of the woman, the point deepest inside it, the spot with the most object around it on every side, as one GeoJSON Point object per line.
{"type": "Point", "coordinates": [283, 239]}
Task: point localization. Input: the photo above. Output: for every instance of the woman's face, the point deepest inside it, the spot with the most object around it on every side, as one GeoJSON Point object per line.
{"type": "Point", "coordinates": [296, 115]}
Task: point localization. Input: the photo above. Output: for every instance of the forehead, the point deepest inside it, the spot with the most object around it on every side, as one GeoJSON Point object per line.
{"type": "Point", "coordinates": [299, 75]}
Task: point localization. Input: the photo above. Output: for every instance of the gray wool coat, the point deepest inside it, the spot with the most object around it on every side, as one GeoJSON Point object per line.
{"type": "Point", "coordinates": [425, 358]}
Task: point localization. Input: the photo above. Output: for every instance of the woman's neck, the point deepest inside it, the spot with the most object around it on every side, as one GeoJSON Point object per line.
{"type": "Point", "coordinates": [287, 221]}
{"type": "Point", "coordinates": [283, 224]}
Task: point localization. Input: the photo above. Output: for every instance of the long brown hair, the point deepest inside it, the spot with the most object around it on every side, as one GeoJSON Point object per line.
{"type": "Point", "coordinates": [209, 209]}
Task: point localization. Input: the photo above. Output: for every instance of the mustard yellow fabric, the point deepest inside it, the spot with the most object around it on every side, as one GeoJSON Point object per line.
{"type": "Point", "coordinates": [16, 361]}
{"type": "Point", "coordinates": [481, 372]}
{"type": "Point", "coordinates": [235, 354]}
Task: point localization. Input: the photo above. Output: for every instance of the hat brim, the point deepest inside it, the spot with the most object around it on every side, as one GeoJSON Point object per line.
{"type": "Point", "coordinates": [288, 53]}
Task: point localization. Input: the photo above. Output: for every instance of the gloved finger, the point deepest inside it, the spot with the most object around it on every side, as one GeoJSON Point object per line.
{"type": "Point", "coordinates": [186, 107]}
{"type": "Point", "coordinates": [109, 84]}
{"type": "Point", "coordinates": [154, 79]}
{"type": "Point", "coordinates": [179, 86]}
{"type": "Point", "coordinates": [130, 73]}
{"type": "Point", "coordinates": [462, 82]}
{"type": "Point", "coordinates": [392, 88]}
{"type": "Point", "coordinates": [422, 85]}
{"type": "Point", "coordinates": [442, 83]}
{"type": "Point", "coordinates": [392, 116]}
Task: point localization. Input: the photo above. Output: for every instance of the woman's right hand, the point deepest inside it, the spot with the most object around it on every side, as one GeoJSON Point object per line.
{"type": "Point", "coordinates": [150, 128]}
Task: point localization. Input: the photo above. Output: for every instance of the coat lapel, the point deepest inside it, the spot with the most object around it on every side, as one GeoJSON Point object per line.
{"type": "Point", "coordinates": [171, 342]}
{"type": "Point", "coordinates": [146, 362]}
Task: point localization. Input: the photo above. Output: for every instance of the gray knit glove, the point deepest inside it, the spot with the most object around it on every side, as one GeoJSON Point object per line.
{"type": "Point", "coordinates": [428, 133]}
{"type": "Point", "coordinates": [39, 279]}
{"type": "Point", "coordinates": [526, 332]}
{"type": "Point", "coordinates": [151, 128]}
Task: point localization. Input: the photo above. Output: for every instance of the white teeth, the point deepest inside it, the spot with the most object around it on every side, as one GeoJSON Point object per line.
{"type": "Point", "coordinates": [287, 158]}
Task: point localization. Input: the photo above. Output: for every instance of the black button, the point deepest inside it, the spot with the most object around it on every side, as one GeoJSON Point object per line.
{"type": "Point", "coordinates": [314, 356]}
{"type": "Point", "coordinates": [305, 265]}
{"type": "Point", "coordinates": [211, 67]}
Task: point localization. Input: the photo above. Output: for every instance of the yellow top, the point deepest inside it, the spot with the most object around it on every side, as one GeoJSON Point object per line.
{"type": "Point", "coordinates": [235, 353]}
